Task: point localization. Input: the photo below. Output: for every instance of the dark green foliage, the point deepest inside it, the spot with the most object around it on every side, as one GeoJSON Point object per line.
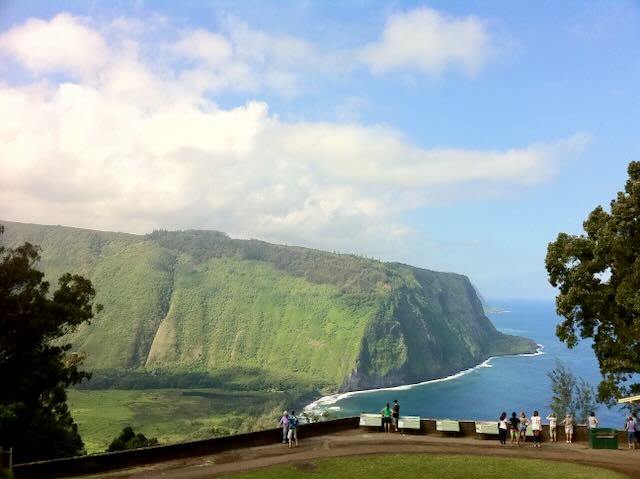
{"type": "Point", "coordinates": [570, 394]}
{"type": "Point", "coordinates": [351, 273]}
{"type": "Point", "coordinates": [35, 367]}
{"type": "Point", "coordinates": [598, 277]}
{"type": "Point", "coordinates": [130, 440]}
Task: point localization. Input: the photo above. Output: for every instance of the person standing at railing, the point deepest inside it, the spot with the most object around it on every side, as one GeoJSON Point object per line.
{"type": "Point", "coordinates": [284, 424]}
{"type": "Point", "coordinates": [293, 429]}
{"type": "Point", "coordinates": [568, 427]}
{"type": "Point", "coordinates": [395, 414]}
{"type": "Point", "coordinates": [514, 425]}
{"type": "Point", "coordinates": [592, 420]}
{"type": "Point", "coordinates": [502, 427]}
{"type": "Point", "coordinates": [553, 424]}
{"type": "Point", "coordinates": [630, 427]}
{"type": "Point", "coordinates": [536, 427]}
{"type": "Point", "coordinates": [386, 418]}
{"type": "Point", "coordinates": [524, 423]}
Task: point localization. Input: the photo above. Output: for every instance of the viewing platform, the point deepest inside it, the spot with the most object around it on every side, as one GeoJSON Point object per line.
{"type": "Point", "coordinates": [337, 438]}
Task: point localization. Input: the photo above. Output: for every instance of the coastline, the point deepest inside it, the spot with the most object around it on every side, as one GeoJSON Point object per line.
{"type": "Point", "coordinates": [326, 401]}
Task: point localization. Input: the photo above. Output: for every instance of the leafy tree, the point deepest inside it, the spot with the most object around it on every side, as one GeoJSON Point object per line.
{"type": "Point", "coordinates": [130, 440]}
{"type": "Point", "coordinates": [570, 394]}
{"type": "Point", "coordinates": [562, 385]}
{"type": "Point", "coordinates": [35, 365]}
{"type": "Point", "coordinates": [598, 277]}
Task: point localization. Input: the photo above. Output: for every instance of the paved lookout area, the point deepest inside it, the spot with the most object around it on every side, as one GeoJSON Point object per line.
{"type": "Point", "coordinates": [362, 442]}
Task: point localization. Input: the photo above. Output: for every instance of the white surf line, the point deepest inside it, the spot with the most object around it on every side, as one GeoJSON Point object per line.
{"type": "Point", "coordinates": [334, 398]}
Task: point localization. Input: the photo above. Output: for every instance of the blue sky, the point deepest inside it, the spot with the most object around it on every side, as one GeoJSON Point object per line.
{"type": "Point", "coordinates": [456, 136]}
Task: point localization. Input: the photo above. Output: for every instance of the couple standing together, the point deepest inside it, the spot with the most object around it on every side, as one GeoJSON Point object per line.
{"type": "Point", "coordinates": [289, 425]}
{"type": "Point", "coordinates": [390, 416]}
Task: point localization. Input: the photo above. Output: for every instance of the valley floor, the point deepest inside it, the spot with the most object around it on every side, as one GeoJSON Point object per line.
{"type": "Point", "coordinates": [358, 442]}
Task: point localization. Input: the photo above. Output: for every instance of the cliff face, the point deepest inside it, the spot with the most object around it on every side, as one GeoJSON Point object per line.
{"type": "Point", "coordinates": [198, 301]}
{"type": "Point", "coordinates": [431, 325]}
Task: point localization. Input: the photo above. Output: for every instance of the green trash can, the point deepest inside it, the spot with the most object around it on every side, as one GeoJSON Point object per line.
{"type": "Point", "coordinates": [603, 438]}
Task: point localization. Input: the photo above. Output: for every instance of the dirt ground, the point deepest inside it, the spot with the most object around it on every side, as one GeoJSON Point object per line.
{"type": "Point", "coordinates": [359, 442]}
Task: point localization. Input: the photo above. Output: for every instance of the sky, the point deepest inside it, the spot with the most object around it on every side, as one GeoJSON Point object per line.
{"type": "Point", "coordinates": [456, 136]}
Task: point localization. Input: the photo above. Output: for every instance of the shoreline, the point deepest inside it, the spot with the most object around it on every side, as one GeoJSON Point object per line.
{"type": "Point", "coordinates": [326, 401]}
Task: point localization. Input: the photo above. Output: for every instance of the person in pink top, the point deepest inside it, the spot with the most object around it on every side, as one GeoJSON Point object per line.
{"type": "Point", "coordinates": [284, 424]}
{"type": "Point", "coordinates": [630, 427]}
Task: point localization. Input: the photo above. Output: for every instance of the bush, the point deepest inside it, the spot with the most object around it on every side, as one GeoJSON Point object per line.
{"type": "Point", "coordinates": [130, 440]}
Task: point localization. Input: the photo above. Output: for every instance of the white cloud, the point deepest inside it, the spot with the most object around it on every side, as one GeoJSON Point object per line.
{"type": "Point", "coordinates": [212, 48]}
{"type": "Point", "coordinates": [426, 40]}
{"type": "Point", "coordinates": [137, 145]}
{"type": "Point", "coordinates": [64, 44]}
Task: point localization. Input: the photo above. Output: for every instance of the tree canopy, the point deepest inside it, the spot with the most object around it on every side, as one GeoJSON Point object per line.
{"type": "Point", "coordinates": [598, 277]}
{"type": "Point", "coordinates": [35, 365]}
{"type": "Point", "coordinates": [128, 439]}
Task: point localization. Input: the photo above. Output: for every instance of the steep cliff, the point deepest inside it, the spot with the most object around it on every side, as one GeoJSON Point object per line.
{"type": "Point", "coordinates": [199, 301]}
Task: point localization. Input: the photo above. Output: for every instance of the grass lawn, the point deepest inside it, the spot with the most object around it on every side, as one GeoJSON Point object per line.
{"type": "Point", "coordinates": [171, 415]}
{"type": "Point", "coordinates": [441, 467]}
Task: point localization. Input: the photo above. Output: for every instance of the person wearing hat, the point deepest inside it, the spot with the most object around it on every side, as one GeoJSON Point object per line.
{"type": "Point", "coordinates": [284, 424]}
{"type": "Point", "coordinates": [568, 427]}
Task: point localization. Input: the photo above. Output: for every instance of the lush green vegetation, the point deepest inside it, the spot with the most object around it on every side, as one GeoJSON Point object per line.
{"type": "Point", "coordinates": [35, 367]}
{"type": "Point", "coordinates": [174, 415]}
{"type": "Point", "coordinates": [598, 281]}
{"type": "Point", "coordinates": [440, 467]}
{"type": "Point", "coordinates": [246, 314]}
{"type": "Point", "coordinates": [128, 439]}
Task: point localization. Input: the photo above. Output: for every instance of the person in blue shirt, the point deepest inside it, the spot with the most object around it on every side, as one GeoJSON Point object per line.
{"type": "Point", "coordinates": [293, 429]}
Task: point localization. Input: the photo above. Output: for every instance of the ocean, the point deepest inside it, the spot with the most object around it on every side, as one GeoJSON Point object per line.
{"type": "Point", "coordinates": [512, 383]}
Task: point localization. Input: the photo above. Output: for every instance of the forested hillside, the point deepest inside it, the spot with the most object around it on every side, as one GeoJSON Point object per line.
{"type": "Point", "coordinates": [215, 310]}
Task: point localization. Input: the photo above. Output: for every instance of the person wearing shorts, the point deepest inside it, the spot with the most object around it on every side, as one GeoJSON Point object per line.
{"type": "Point", "coordinates": [630, 427]}
{"type": "Point", "coordinates": [386, 418]}
{"type": "Point", "coordinates": [524, 422]}
{"type": "Point", "coordinates": [514, 426]}
{"type": "Point", "coordinates": [293, 430]}
{"type": "Point", "coordinates": [568, 427]}
{"type": "Point", "coordinates": [395, 414]}
{"type": "Point", "coordinates": [553, 423]}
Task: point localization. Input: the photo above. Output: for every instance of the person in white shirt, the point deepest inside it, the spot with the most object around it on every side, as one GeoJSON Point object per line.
{"type": "Point", "coordinates": [553, 423]}
{"type": "Point", "coordinates": [592, 420]}
{"type": "Point", "coordinates": [536, 427]}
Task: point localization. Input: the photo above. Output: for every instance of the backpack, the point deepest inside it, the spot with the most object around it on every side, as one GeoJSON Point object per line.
{"type": "Point", "coordinates": [293, 422]}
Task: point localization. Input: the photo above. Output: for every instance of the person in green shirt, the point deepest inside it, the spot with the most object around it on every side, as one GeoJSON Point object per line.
{"type": "Point", "coordinates": [386, 418]}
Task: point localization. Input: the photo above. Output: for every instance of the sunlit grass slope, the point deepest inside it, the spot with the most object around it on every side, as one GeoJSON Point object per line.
{"type": "Point", "coordinates": [430, 466]}
{"type": "Point", "coordinates": [172, 415]}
